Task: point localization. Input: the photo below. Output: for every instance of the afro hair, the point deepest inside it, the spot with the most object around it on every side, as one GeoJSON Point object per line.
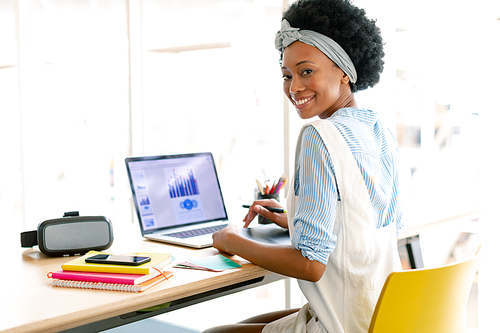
{"type": "Point", "coordinates": [349, 26]}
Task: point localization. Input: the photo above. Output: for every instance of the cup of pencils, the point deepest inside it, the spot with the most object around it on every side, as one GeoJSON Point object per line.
{"type": "Point", "coordinates": [269, 191]}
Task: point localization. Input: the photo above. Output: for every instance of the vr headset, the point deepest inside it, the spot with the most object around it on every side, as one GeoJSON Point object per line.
{"type": "Point", "coordinates": [70, 235]}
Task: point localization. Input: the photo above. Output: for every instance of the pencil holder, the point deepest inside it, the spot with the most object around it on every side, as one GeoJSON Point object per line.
{"type": "Point", "coordinates": [262, 219]}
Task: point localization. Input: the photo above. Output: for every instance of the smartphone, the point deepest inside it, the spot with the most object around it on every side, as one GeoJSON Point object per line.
{"type": "Point", "coordinates": [117, 259]}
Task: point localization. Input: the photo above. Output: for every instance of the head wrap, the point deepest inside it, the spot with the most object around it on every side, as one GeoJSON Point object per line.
{"type": "Point", "coordinates": [287, 35]}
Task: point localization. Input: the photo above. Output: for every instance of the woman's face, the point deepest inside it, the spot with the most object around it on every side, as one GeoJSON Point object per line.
{"type": "Point", "coordinates": [313, 83]}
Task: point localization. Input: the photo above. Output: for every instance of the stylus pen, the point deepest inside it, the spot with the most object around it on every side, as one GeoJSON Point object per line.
{"type": "Point", "coordinates": [271, 209]}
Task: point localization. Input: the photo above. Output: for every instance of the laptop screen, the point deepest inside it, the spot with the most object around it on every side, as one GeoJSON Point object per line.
{"type": "Point", "coordinates": [175, 190]}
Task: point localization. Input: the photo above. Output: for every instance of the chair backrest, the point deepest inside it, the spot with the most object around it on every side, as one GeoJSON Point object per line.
{"type": "Point", "coordinates": [426, 300]}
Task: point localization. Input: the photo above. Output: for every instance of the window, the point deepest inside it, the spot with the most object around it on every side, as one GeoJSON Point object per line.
{"type": "Point", "coordinates": [10, 169]}
{"type": "Point", "coordinates": [202, 80]}
{"type": "Point", "coordinates": [68, 126]}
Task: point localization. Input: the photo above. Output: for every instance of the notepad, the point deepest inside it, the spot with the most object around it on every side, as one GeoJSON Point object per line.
{"type": "Point", "coordinates": [215, 263]}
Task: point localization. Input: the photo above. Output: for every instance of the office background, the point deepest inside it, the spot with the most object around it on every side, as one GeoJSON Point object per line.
{"type": "Point", "coordinates": [84, 84]}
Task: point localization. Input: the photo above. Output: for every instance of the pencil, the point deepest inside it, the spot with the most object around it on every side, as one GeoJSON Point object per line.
{"type": "Point", "coordinates": [271, 209]}
{"type": "Point", "coordinates": [260, 187]}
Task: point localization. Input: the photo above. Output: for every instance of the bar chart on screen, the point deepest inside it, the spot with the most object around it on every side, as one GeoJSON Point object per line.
{"type": "Point", "coordinates": [184, 194]}
{"type": "Point", "coordinates": [145, 205]}
{"type": "Point", "coordinates": [180, 185]}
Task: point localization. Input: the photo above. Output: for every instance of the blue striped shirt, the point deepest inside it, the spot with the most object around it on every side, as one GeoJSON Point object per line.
{"type": "Point", "coordinates": [374, 149]}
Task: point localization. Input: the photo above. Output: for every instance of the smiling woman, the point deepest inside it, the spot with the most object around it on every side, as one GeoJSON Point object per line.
{"type": "Point", "coordinates": [316, 86]}
{"type": "Point", "coordinates": [357, 49]}
{"type": "Point", "coordinates": [344, 206]}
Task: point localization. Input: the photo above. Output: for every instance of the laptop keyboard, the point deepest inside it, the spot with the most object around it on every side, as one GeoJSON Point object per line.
{"type": "Point", "coordinates": [196, 232]}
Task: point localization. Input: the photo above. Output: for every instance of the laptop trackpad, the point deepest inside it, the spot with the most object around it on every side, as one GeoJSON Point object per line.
{"type": "Point", "coordinates": [268, 233]}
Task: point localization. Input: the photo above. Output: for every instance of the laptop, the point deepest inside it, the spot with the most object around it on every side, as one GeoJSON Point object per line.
{"type": "Point", "coordinates": [179, 201]}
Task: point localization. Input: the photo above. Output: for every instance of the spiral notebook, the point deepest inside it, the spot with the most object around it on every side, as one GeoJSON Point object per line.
{"type": "Point", "coordinates": [113, 286]}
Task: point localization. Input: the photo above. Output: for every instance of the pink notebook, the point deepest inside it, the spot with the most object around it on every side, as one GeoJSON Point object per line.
{"type": "Point", "coordinates": [102, 277]}
{"type": "Point", "coordinates": [81, 284]}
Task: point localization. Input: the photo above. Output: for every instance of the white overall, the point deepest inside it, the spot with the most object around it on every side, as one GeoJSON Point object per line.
{"type": "Point", "coordinates": [343, 300]}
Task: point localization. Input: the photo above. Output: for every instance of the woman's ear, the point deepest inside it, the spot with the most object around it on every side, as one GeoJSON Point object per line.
{"type": "Point", "coordinates": [345, 78]}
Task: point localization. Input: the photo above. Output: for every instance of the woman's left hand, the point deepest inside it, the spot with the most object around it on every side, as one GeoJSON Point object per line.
{"type": "Point", "coordinates": [222, 238]}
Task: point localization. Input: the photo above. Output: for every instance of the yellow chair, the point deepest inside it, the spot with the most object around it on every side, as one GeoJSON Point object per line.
{"type": "Point", "coordinates": [426, 300]}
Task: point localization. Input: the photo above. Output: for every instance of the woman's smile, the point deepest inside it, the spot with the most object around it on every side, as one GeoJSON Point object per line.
{"type": "Point", "coordinates": [301, 102]}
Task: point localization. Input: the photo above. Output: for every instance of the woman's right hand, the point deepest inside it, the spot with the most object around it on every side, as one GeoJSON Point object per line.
{"type": "Point", "coordinates": [257, 208]}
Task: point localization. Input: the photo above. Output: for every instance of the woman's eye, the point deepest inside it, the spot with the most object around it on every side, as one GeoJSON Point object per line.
{"type": "Point", "coordinates": [306, 71]}
{"type": "Point", "coordinates": [286, 77]}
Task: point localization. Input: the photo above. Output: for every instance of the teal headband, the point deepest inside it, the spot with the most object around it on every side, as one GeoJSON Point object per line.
{"type": "Point", "coordinates": [287, 35]}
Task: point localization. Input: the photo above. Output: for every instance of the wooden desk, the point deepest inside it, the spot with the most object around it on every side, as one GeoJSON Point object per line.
{"type": "Point", "coordinates": [30, 304]}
